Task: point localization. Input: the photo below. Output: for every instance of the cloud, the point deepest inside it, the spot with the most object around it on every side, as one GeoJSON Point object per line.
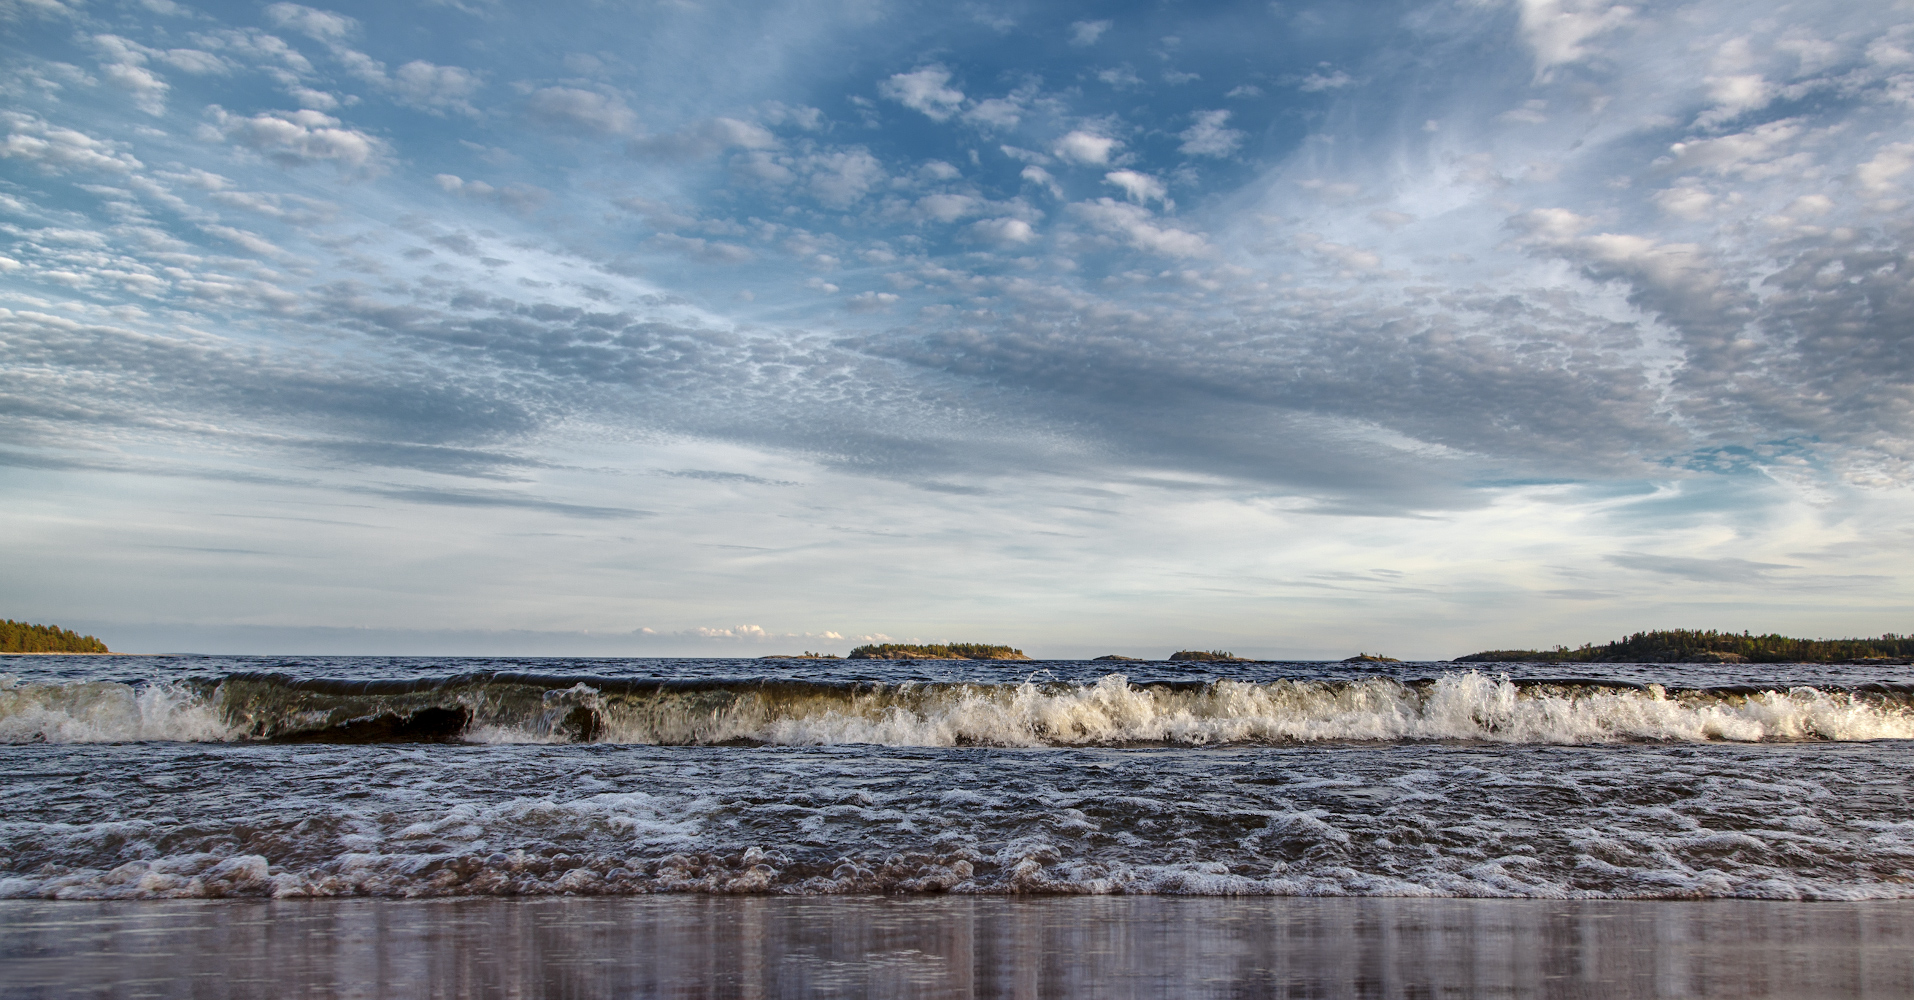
{"type": "Point", "coordinates": [996, 113]}
{"type": "Point", "coordinates": [1558, 32]}
{"type": "Point", "coordinates": [1034, 174]}
{"type": "Point", "coordinates": [585, 112]}
{"type": "Point", "coordinates": [322, 25]}
{"type": "Point", "coordinates": [1209, 137]}
{"type": "Point", "coordinates": [423, 85]}
{"type": "Point", "coordinates": [521, 198]}
{"type": "Point", "coordinates": [1318, 82]}
{"type": "Point", "coordinates": [55, 149]}
{"type": "Point", "coordinates": [1701, 570]}
{"type": "Point", "coordinates": [1881, 175]}
{"type": "Point", "coordinates": [299, 138]}
{"type": "Point", "coordinates": [926, 89]}
{"type": "Point", "coordinates": [1139, 228]}
{"type": "Point", "coordinates": [124, 65]}
{"type": "Point", "coordinates": [705, 138]}
{"type": "Point", "coordinates": [1005, 231]}
{"type": "Point", "coordinates": [1085, 148]}
{"type": "Point", "coordinates": [1139, 188]}
{"type": "Point", "coordinates": [841, 177]}
{"type": "Point", "coordinates": [1086, 33]}
{"type": "Point", "coordinates": [865, 302]}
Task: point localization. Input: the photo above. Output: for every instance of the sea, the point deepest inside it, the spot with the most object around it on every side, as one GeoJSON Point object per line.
{"type": "Point", "coordinates": [303, 784]}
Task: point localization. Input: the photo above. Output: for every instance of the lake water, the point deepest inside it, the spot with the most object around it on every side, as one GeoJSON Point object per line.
{"type": "Point", "coordinates": [965, 787]}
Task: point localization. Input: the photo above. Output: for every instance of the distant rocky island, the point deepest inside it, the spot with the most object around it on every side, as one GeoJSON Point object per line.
{"type": "Point", "coordinates": [1370, 658]}
{"type": "Point", "coordinates": [941, 651]}
{"type": "Point", "coordinates": [1207, 656]}
{"type": "Point", "coordinates": [24, 637]}
{"type": "Point", "coordinates": [1695, 646]}
{"type": "Point", "coordinates": [806, 655]}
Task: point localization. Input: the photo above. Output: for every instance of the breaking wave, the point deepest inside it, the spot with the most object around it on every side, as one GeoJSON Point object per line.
{"type": "Point", "coordinates": [515, 708]}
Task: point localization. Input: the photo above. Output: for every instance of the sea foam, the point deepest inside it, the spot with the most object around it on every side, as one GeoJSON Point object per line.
{"type": "Point", "coordinates": [1465, 705]}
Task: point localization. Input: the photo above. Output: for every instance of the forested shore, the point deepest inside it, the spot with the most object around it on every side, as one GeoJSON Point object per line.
{"type": "Point", "coordinates": [25, 637]}
{"type": "Point", "coordinates": [1693, 645]}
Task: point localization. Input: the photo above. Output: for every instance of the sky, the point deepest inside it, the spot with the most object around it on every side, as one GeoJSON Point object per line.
{"type": "Point", "coordinates": [728, 329]}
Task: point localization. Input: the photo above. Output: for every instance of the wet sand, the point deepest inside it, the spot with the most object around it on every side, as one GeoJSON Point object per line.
{"type": "Point", "coordinates": [950, 947]}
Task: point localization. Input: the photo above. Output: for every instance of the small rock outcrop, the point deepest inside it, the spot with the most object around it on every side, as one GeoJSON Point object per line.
{"type": "Point", "coordinates": [1125, 659]}
{"type": "Point", "coordinates": [1370, 658]}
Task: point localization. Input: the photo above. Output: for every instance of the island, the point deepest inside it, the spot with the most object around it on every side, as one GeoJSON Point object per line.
{"type": "Point", "coordinates": [1697, 646]}
{"type": "Point", "coordinates": [1119, 658]}
{"type": "Point", "coordinates": [939, 651]}
{"type": "Point", "coordinates": [806, 655]}
{"type": "Point", "coordinates": [1207, 656]}
{"type": "Point", "coordinates": [1370, 658]}
{"type": "Point", "coordinates": [23, 637]}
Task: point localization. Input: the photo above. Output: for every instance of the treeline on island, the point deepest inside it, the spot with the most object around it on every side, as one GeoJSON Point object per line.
{"type": "Point", "coordinates": [1696, 646]}
{"type": "Point", "coordinates": [24, 637]}
{"type": "Point", "coordinates": [939, 651]}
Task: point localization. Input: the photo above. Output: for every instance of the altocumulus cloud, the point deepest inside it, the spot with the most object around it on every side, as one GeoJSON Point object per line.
{"type": "Point", "coordinates": [1381, 274]}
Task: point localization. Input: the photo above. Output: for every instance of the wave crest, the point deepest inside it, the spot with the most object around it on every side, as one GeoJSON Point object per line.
{"type": "Point", "coordinates": [1112, 711]}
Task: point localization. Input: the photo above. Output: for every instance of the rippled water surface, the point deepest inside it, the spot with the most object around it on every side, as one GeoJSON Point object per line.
{"type": "Point", "coordinates": [129, 777]}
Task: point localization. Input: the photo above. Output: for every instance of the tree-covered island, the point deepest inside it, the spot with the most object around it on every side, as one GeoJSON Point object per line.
{"type": "Point", "coordinates": [940, 651]}
{"type": "Point", "coordinates": [1695, 646]}
{"type": "Point", "coordinates": [23, 637]}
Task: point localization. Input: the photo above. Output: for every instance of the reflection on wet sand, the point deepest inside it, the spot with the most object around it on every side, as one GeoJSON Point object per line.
{"type": "Point", "coordinates": [1105, 947]}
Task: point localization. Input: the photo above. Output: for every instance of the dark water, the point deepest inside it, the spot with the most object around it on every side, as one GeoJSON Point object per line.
{"type": "Point", "coordinates": [885, 948]}
{"type": "Point", "coordinates": [156, 778]}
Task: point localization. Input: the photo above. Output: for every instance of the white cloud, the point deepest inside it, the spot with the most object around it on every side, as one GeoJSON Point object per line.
{"type": "Point", "coordinates": [948, 207]}
{"type": "Point", "coordinates": [521, 198]}
{"type": "Point", "coordinates": [585, 111]}
{"type": "Point", "coordinates": [927, 90]}
{"type": "Point", "coordinates": [298, 138]}
{"type": "Point", "coordinates": [33, 140]}
{"type": "Point", "coordinates": [1139, 188]}
{"type": "Point", "coordinates": [1755, 154]}
{"type": "Point", "coordinates": [938, 170]}
{"type": "Point", "coordinates": [1349, 259]}
{"type": "Point", "coordinates": [1208, 137]}
{"type": "Point", "coordinates": [317, 100]}
{"type": "Point", "coordinates": [322, 25]}
{"type": "Point", "coordinates": [705, 139]}
{"type": "Point", "coordinates": [1007, 232]}
{"type": "Point", "coordinates": [1086, 148]}
{"type": "Point", "coordinates": [865, 302]}
{"type": "Point", "coordinates": [1558, 31]}
{"type": "Point", "coordinates": [1733, 95]}
{"type": "Point", "coordinates": [1041, 177]}
{"type": "Point", "coordinates": [123, 63]}
{"type": "Point", "coordinates": [1881, 175]}
{"type": "Point", "coordinates": [1084, 33]}
{"type": "Point", "coordinates": [997, 112]}
{"type": "Point", "coordinates": [193, 61]}
{"type": "Point", "coordinates": [436, 88]}
{"type": "Point", "coordinates": [1318, 82]}
{"type": "Point", "coordinates": [1139, 227]}
{"type": "Point", "coordinates": [1687, 201]}
{"type": "Point", "coordinates": [840, 178]}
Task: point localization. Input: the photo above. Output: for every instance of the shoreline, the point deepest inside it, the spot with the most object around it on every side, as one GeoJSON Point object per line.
{"type": "Point", "coordinates": [962, 947]}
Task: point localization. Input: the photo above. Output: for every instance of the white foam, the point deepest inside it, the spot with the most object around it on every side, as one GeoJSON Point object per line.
{"type": "Point", "coordinates": [1462, 706]}
{"type": "Point", "coordinates": [106, 712]}
{"type": "Point", "coordinates": [1459, 706]}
